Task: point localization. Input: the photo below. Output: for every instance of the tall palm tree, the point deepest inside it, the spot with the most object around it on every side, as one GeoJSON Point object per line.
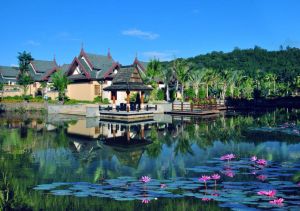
{"type": "Point", "coordinates": [196, 80]}
{"type": "Point", "coordinates": [167, 75]}
{"type": "Point", "coordinates": [154, 69]}
{"type": "Point", "coordinates": [183, 74]}
{"type": "Point", "coordinates": [210, 77]}
{"type": "Point", "coordinates": [226, 78]}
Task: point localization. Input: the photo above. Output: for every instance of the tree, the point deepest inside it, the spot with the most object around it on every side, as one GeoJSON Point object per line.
{"type": "Point", "coordinates": [60, 83]}
{"type": "Point", "coordinates": [183, 74]}
{"type": "Point", "coordinates": [24, 78]}
{"type": "Point", "coordinates": [154, 69]}
{"type": "Point", "coordinates": [209, 77]}
{"type": "Point", "coordinates": [167, 75]}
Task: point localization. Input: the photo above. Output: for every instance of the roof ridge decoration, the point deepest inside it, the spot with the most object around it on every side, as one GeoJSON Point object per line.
{"type": "Point", "coordinates": [83, 54]}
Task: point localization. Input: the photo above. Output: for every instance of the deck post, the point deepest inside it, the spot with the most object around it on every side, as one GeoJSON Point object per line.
{"type": "Point", "coordinates": [192, 105]}
{"type": "Point", "coordinates": [128, 101]}
{"type": "Point", "coordinates": [142, 100]}
{"type": "Point", "coordinates": [181, 106]}
{"type": "Point", "coordinates": [114, 101]}
{"type": "Point", "coordinates": [172, 106]}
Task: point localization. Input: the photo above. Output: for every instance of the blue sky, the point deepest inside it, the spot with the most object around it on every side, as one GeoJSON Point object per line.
{"type": "Point", "coordinates": [165, 29]}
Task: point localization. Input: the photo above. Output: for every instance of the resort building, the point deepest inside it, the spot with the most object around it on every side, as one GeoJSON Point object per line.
{"type": "Point", "coordinates": [8, 76]}
{"type": "Point", "coordinates": [89, 74]}
{"type": "Point", "coordinates": [40, 71]}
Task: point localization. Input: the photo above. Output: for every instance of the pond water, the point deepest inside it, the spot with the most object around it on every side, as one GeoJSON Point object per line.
{"type": "Point", "coordinates": [72, 163]}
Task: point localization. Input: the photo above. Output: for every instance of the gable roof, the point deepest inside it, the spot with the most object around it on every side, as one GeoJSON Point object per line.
{"type": "Point", "coordinates": [128, 78]}
{"type": "Point", "coordinates": [8, 74]}
{"type": "Point", "coordinates": [94, 66]}
{"type": "Point", "coordinates": [40, 70]}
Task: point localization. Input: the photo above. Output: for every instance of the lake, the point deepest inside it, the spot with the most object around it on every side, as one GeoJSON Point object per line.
{"type": "Point", "coordinates": [74, 163]}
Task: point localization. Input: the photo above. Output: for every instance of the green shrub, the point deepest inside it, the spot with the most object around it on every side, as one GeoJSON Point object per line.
{"type": "Point", "coordinates": [201, 93]}
{"type": "Point", "coordinates": [105, 101]}
{"type": "Point", "coordinates": [160, 95]}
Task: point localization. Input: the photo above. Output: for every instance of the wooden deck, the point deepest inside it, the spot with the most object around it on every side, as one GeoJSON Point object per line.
{"type": "Point", "coordinates": [190, 109]}
{"type": "Point", "coordinates": [193, 113]}
{"type": "Point", "coordinates": [124, 116]}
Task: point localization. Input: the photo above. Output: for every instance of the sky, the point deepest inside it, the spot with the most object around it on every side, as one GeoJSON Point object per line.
{"type": "Point", "coordinates": [164, 29]}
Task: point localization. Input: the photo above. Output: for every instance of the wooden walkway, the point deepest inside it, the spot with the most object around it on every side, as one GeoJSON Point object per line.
{"type": "Point", "coordinates": [190, 109]}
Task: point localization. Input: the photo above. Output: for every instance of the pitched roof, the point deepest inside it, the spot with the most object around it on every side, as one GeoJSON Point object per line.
{"type": "Point", "coordinates": [64, 68]}
{"type": "Point", "coordinates": [8, 74]}
{"type": "Point", "coordinates": [41, 69]}
{"type": "Point", "coordinates": [42, 66]}
{"type": "Point", "coordinates": [94, 66]}
{"type": "Point", "coordinates": [128, 78]}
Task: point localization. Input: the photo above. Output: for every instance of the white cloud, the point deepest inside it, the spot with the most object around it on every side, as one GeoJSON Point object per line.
{"type": "Point", "coordinates": [66, 36]}
{"type": "Point", "coordinates": [32, 42]}
{"type": "Point", "coordinates": [140, 34]}
{"type": "Point", "coordinates": [161, 55]}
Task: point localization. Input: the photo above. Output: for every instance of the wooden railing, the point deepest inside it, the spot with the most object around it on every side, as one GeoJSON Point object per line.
{"type": "Point", "coordinates": [185, 106]}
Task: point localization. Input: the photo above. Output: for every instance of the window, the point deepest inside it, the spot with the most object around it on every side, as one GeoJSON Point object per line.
{"type": "Point", "coordinates": [97, 89]}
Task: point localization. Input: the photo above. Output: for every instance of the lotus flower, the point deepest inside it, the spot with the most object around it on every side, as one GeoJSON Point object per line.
{"type": "Point", "coordinates": [163, 185]}
{"type": "Point", "coordinates": [229, 173]}
{"type": "Point", "coordinates": [261, 162]}
{"type": "Point", "coordinates": [215, 176]}
{"type": "Point", "coordinates": [145, 201]}
{"type": "Point", "coordinates": [253, 158]}
{"type": "Point", "coordinates": [270, 193]}
{"type": "Point", "coordinates": [228, 157]}
{"type": "Point", "coordinates": [262, 177]}
{"type": "Point", "coordinates": [145, 179]}
{"type": "Point", "coordinates": [205, 199]}
{"type": "Point", "coordinates": [204, 178]}
{"type": "Point", "coordinates": [278, 202]}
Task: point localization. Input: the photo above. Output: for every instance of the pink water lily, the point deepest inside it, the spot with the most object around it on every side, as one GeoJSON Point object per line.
{"type": "Point", "coordinates": [261, 162]}
{"type": "Point", "coordinates": [145, 179]}
{"type": "Point", "coordinates": [253, 158]}
{"type": "Point", "coordinates": [278, 202]}
{"type": "Point", "coordinates": [262, 177]}
{"type": "Point", "coordinates": [163, 185]}
{"type": "Point", "coordinates": [215, 176]}
{"type": "Point", "coordinates": [299, 184]}
{"type": "Point", "coordinates": [145, 201]}
{"type": "Point", "coordinates": [205, 199]}
{"type": "Point", "coordinates": [270, 193]}
{"type": "Point", "coordinates": [228, 157]}
{"type": "Point", "coordinates": [204, 178]}
{"type": "Point", "coordinates": [229, 173]}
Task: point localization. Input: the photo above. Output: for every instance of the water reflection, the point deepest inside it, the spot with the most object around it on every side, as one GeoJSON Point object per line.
{"type": "Point", "coordinates": [36, 150]}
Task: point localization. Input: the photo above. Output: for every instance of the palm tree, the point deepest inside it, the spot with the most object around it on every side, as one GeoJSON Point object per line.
{"type": "Point", "coordinates": [60, 83]}
{"type": "Point", "coordinates": [183, 74]}
{"type": "Point", "coordinates": [226, 78]}
{"type": "Point", "coordinates": [270, 78]}
{"type": "Point", "coordinates": [209, 77]}
{"type": "Point", "coordinates": [154, 70]}
{"type": "Point", "coordinates": [196, 80]}
{"type": "Point", "coordinates": [167, 74]}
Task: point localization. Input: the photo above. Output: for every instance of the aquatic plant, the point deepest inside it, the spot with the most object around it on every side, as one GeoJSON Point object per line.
{"type": "Point", "coordinates": [228, 157]}
{"type": "Point", "coordinates": [145, 179]}
{"type": "Point", "coordinates": [278, 202]}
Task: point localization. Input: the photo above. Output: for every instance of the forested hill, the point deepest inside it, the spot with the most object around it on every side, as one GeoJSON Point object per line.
{"type": "Point", "coordinates": [284, 63]}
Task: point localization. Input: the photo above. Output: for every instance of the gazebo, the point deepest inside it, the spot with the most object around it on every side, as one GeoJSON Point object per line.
{"type": "Point", "coordinates": [128, 79]}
